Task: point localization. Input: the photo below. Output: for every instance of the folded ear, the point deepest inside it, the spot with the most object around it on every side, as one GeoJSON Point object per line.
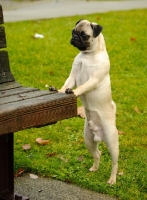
{"type": "Point", "coordinates": [96, 29]}
{"type": "Point", "coordinates": [79, 21]}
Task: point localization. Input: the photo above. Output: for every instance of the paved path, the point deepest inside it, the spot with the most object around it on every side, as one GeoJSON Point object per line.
{"type": "Point", "coordinates": [45, 188]}
{"type": "Point", "coordinates": [44, 9]}
{"type": "Point", "coordinates": [49, 189]}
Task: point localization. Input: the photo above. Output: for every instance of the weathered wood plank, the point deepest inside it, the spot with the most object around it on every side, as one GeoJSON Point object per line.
{"type": "Point", "coordinates": [5, 73]}
{"type": "Point", "coordinates": [30, 105]}
{"type": "Point", "coordinates": [9, 85]}
{"type": "Point", "coordinates": [35, 112]}
{"type": "Point", "coordinates": [25, 95]}
{"type": "Point", "coordinates": [38, 119]}
{"type": "Point", "coordinates": [16, 91]}
{"type": "Point", "coordinates": [1, 15]}
{"type": "Point", "coordinates": [2, 37]}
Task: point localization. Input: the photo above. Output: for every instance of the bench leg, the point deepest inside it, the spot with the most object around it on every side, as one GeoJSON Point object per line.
{"type": "Point", "coordinates": [7, 169]}
{"type": "Point", "coordinates": [6, 166]}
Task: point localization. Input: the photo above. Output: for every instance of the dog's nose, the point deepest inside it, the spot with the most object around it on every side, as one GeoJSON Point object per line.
{"type": "Point", "coordinates": [75, 37]}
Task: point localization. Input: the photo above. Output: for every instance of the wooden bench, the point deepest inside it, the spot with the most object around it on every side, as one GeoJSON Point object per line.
{"type": "Point", "coordinates": [22, 108]}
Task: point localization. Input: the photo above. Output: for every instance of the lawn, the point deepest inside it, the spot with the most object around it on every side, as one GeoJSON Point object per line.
{"type": "Point", "coordinates": [37, 62]}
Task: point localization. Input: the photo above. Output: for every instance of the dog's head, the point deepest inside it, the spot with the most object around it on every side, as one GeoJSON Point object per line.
{"type": "Point", "coordinates": [84, 34]}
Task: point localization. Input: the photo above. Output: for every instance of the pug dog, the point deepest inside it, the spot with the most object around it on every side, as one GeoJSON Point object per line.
{"type": "Point", "coordinates": [90, 76]}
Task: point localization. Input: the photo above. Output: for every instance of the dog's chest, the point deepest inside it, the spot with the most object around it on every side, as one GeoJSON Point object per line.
{"type": "Point", "coordinates": [86, 68]}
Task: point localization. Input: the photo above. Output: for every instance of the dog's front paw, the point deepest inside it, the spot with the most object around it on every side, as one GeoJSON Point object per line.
{"type": "Point", "coordinates": [69, 91]}
{"type": "Point", "coordinates": [51, 88]}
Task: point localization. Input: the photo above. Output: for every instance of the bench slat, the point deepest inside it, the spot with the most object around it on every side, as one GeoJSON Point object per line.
{"type": "Point", "coordinates": [2, 37]}
{"type": "Point", "coordinates": [29, 105]}
{"type": "Point", "coordinates": [1, 15]}
{"type": "Point", "coordinates": [26, 95]}
{"type": "Point", "coordinates": [16, 91]}
{"type": "Point", "coordinates": [5, 73]}
{"type": "Point", "coordinates": [9, 85]}
{"type": "Point", "coordinates": [35, 112]}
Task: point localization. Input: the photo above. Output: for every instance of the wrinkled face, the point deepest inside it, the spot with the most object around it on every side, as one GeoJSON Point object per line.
{"type": "Point", "coordinates": [80, 40]}
{"type": "Point", "coordinates": [84, 33]}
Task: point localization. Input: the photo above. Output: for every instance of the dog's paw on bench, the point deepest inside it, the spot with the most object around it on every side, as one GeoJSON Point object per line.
{"type": "Point", "coordinates": [69, 91]}
{"type": "Point", "coordinates": [51, 88]}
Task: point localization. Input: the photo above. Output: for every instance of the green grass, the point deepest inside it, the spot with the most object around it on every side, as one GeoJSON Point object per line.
{"type": "Point", "coordinates": [37, 62]}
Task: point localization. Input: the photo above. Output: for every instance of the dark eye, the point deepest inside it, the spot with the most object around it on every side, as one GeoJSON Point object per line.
{"type": "Point", "coordinates": [84, 36]}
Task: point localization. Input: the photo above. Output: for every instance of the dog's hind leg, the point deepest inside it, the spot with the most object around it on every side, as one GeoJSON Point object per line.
{"type": "Point", "coordinates": [92, 146]}
{"type": "Point", "coordinates": [113, 146]}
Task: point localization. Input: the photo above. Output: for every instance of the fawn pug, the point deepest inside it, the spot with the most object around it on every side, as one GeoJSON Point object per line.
{"type": "Point", "coordinates": [90, 76]}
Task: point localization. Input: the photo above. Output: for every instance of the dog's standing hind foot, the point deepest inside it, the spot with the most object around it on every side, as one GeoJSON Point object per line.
{"type": "Point", "coordinates": [93, 168]}
{"type": "Point", "coordinates": [95, 165]}
{"type": "Point", "coordinates": [112, 181]}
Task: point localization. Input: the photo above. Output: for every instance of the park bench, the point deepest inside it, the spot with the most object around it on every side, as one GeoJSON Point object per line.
{"type": "Point", "coordinates": [22, 108]}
